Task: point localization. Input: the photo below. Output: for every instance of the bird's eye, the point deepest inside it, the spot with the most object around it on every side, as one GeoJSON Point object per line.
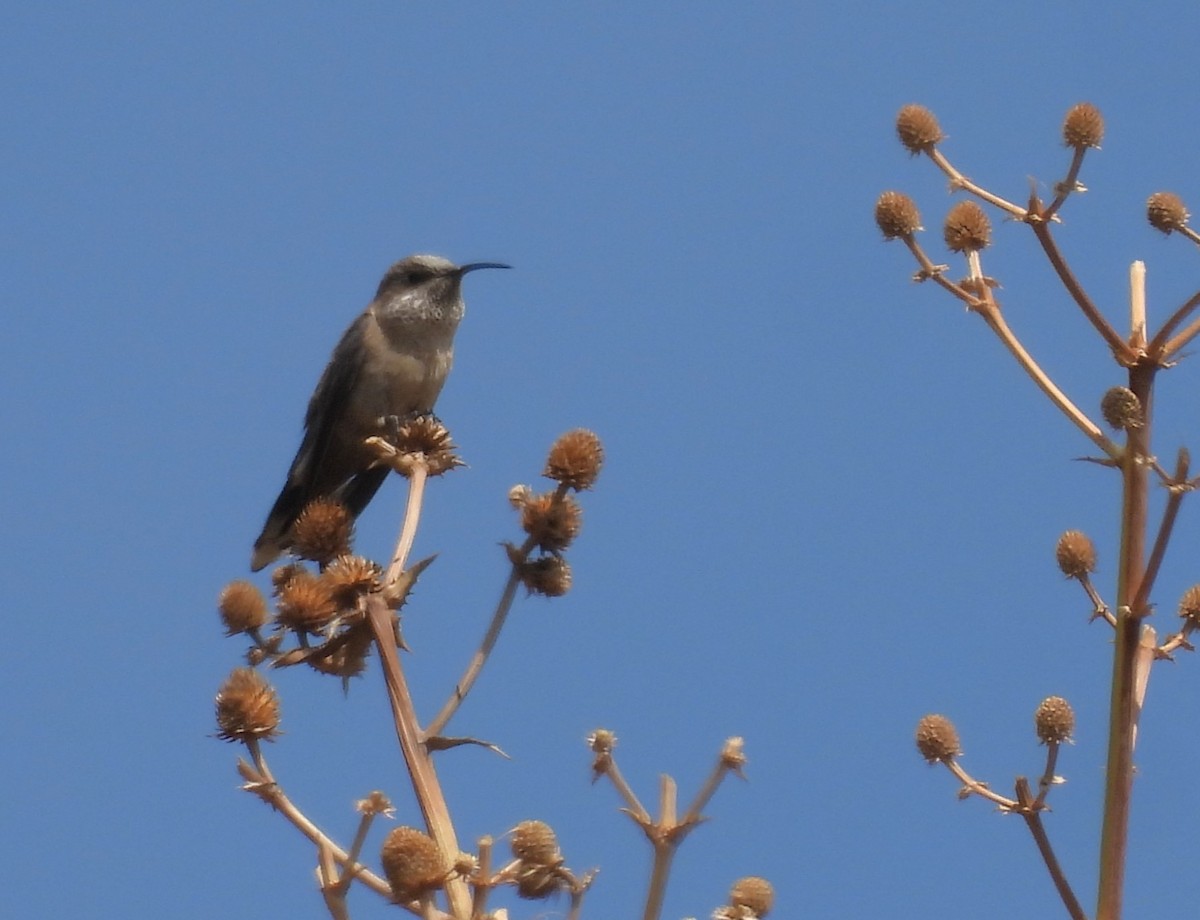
{"type": "Point", "coordinates": [416, 276]}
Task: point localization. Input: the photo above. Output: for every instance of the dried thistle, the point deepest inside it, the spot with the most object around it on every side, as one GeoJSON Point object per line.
{"type": "Point", "coordinates": [549, 576]}
{"type": "Point", "coordinates": [1121, 408]}
{"type": "Point", "coordinates": [305, 604]}
{"type": "Point", "coordinates": [552, 520]}
{"type": "Point", "coordinates": [348, 659]}
{"type": "Point", "coordinates": [918, 129]}
{"type": "Point", "coordinates": [247, 708]}
{"type": "Point", "coordinates": [754, 894]}
{"type": "Point", "coordinates": [423, 438]}
{"type": "Point", "coordinates": [1076, 554]}
{"type": "Point", "coordinates": [349, 578]}
{"type": "Point", "coordinates": [897, 216]}
{"type": "Point", "coordinates": [1189, 605]}
{"type": "Point", "coordinates": [323, 531]}
{"type": "Point", "coordinates": [412, 862]}
{"type": "Point", "coordinates": [1083, 126]}
{"type": "Point", "coordinates": [937, 739]}
{"type": "Point", "coordinates": [534, 842]}
{"type": "Point", "coordinates": [1055, 720]}
{"type": "Point", "coordinates": [1166, 212]}
{"type": "Point", "coordinates": [967, 228]}
{"type": "Point", "coordinates": [242, 608]}
{"type": "Point", "coordinates": [575, 459]}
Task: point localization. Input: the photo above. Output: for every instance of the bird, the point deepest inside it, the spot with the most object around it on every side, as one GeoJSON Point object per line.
{"type": "Point", "coordinates": [390, 364]}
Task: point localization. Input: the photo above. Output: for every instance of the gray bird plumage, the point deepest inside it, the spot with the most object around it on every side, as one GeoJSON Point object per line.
{"type": "Point", "coordinates": [392, 361]}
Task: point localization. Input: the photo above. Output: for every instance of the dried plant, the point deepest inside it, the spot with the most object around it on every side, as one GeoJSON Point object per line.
{"type": "Point", "coordinates": [332, 615]}
{"type": "Point", "coordinates": [1127, 409]}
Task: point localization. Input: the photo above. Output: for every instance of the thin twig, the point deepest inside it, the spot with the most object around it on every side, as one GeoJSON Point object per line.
{"type": "Point", "coordinates": [1157, 349]}
{"type": "Point", "coordinates": [959, 181]}
{"type": "Point", "coordinates": [1033, 820]}
{"type": "Point", "coordinates": [1124, 354]}
{"type": "Point", "coordinates": [1099, 607]}
{"type": "Point", "coordinates": [1067, 186]}
{"type": "Point", "coordinates": [1047, 777]}
{"type": "Point", "coordinates": [973, 786]}
{"type": "Point", "coordinates": [418, 476]}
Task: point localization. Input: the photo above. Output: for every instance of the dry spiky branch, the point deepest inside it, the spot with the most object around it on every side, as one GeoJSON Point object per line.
{"type": "Point", "coordinates": [1129, 410]}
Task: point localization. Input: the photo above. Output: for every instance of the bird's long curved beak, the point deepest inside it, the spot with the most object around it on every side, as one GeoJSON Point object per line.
{"type": "Point", "coordinates": [471, 266]}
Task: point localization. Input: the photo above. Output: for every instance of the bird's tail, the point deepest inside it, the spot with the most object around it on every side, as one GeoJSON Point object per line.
{"type": "Point", "coordinates": [274, 537]}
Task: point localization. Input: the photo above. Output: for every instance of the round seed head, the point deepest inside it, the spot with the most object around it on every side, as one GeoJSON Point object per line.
{"type": "Point", "coordinates": [349, 657]}
{"type": "Point", "coordinates": [1083, 126]}
{"type": "Point", "coordinates": [1121, 408]}
{"type": "Point", "coordinates": [323, 531]}
{"type": "Point", "coordinates": [753, 893]}
{"type": "Point", "coordinates": [1166, 212]}
{"type": "Point", "coordinates": [247, 708]}
{"type": "Point", "coordinates": [412, 863]}
{"type": "Point", "coordinates": [242, 608]}
{"type": "Point", "coordinates": [1076, 554]}
{"type": "Point", "coordinates": [967, 228]}
{"type": "Point", "coordinates": [937, 739]}
{"type": "Point", "coordinates": [1189, 605]}
{"type": "Point", "coordinates": [534, 842]}
{"type": "Point", "coordinates": [349, 578]}
{"type": "Point", "coordinates": [549, 576]}
{"type": "Point", "coordinates": [305, 604]}
{"type": "Point", "coordinates": [1055, 720]}
{"type": "Point", "coordinates": [918, 129]}
{"type": "Point", "coordinates": [552, 520]}
{"type": "Point", "coordinates": [897, 216]}
{"type": "Point", "coordinates": [575, 459]}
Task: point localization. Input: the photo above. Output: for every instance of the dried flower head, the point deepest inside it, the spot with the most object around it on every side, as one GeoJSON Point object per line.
{"type": "Point", "coordinates": [733, 754]}
{"type": "Point", "coordinates": [602, 741]}
{"type": "Point", "coordinates": [1166, 212]}
{"type": "Point", "coordinates": [247, 708]}
{"type": "Point", "coordinates": [323, 531]}
{"type": "Point", "coordinates": [552, 520]}
{"type": "Point", "coordinates": [412, 862]}
{"type": "Point", "coordinates": [1083, 126]}
{"type": "Point", "coordinates": [305, 604]}
{"type": "Point", "coordinates": [537, 882]}
{"type": "Point", "coordinates": [1076, 554]}
{"type": "Point", "coordinates": [937, 739]}
{"type": "Point", "coordinates": [753, 893]}
{"type": "Point", "coordinates": [549, 576]}
{"type": "Point", "coordinates": [285, 573]}
{"type": "Point", "coordinates": [918, 129]}
{"type": "Point", "coordinates": [534, 842]}
{"type": "Point", "coordinates": [421, 438]}
{"type": "Point", "coordinates": [1055, 720]}
{"type": "Point", "coordinates": [575, 459]}
{"type": "Point", "coordinates": [1121, 408]}
{"type": "Point", "coordinates": [967, 228]}
{"type": "Point", "coordinates": [519, 494]}
{"type": "Point", "coordinates": [345, 655]}
{"type": "Point", "coordinates": [897, 216]}
{"type": "Point", "coordinates": [349, 578]}
{"type": "Point", "coordinates": [376, 803]}
{"type": "Point", "coordinates": [1189, 605]}
{"type": "Point", "coordinates": [242, 608]}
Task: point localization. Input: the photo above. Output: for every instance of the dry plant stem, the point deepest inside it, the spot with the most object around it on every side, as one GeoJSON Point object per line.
{"type": "Point", "coordinates": [412, 517]}
{"type": "Point", "coordinates": [1159, 349]}
{"type": "Point", "coordinates": [1120, 348]}
{"type": "Point", "coordinates": [1179, 640]}
{"type": "Point", "coordinates": [1033, 820]}
{"type": "Point", "coordinates": [1170, 512]}
{"type": "Point", "coordinates": [479, 659]}
{"type": "Point", "coordinates": [1122, 710]}
{"type": "Point", "coordinates": [576, 909]}
{"type": "Point", "coordinates": [270, 791]}
{"type": "Point", "coordinates": [332, 890]}
{"type": "Point", "coordinates": [636, 809]}
{"type": "Point", "coordinates": [990, 312]}
{"type": "Point", "coordinates": [424, 779]}
{"type": "Point", "coordinates": [959, 181]}
{"type": "Point", "coordinates": [977, 788]}
{"type": "Point", "coordinates": [1099, 608]}
{"type": "Point", "coordinates": [707, 791]}
{"type": "Point", "coordinates": [1047, 778]}
{"type": "Point", "coordinates": [1137, 307]}
{"type": "Point", "coordinates": [665, 842]}
{"type": "Point", "coordinates": [483, 887]}
{"type": "Point", "coordinates": [1067, 185]}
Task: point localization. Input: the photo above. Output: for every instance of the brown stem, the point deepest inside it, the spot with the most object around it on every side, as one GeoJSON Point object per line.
{"type": "Point", "coordinates": [1122, 711]}
{"type": "Point", "coordinates": [418, 476]}
{"type": "Point", "coordinates": [424, 779]}
{"type": "Point", "coordinates": [1067, 186]}
{"type": "Point", "coordinates": [959, 181]}
{"type": "Point", "coordinates": [975, 787]}
{"type": "Point", "coordinates": [1099, 608]}
{"type": "Point", "coordinates": [1047, 777]}
{"type": "Point", "coordinates": [1033, 820]}
{"type": "Point", "coordinates": [1124, 354]}
{"type": "Point", "coordinates": [1159, 350]}
{"type": "Point", "coordinates": [664, 853]}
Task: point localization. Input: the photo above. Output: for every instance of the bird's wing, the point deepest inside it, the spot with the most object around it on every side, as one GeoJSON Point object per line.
{"type": "Point", "coordinates": [329, 401]}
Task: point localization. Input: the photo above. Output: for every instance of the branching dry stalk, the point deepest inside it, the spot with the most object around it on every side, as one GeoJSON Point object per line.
{"type": "Point", "coordinates": [1129, 410]}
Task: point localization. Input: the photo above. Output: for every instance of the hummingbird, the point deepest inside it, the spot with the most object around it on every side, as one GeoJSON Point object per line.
{"type": "Point", "coordinates": [390, 363]}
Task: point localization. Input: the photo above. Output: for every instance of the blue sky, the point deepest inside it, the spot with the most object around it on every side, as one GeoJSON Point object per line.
{"type": "Point", "coordinates": [830, 503]}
